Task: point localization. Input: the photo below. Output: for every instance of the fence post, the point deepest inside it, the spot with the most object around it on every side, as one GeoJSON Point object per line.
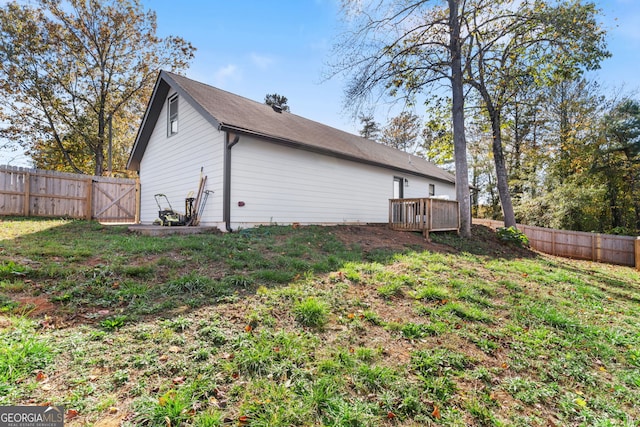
{"type": "Point", "coordinates": [89, 203]}
{"type": "Point", "coordinates": [637, 252]}
{"type": "Point", "coordinates": [27, 194]}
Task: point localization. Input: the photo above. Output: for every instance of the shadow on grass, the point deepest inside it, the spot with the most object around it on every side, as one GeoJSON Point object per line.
{"type": "Point", "coordinates": [89, 272]}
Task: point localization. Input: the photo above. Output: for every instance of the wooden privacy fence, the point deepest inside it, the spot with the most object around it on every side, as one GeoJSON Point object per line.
{"type": "Point", "coordinates": [607, 248]}
{"type": "Point", "coordinates": [34, 192]}
{"type": "Point", "coordinates": [424, 214]}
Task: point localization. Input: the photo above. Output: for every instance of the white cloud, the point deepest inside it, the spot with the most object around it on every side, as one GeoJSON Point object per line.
{"type": "Point", "coordinates": [226, 73]}
{"type": "Point", "coordinates": [261, 61]}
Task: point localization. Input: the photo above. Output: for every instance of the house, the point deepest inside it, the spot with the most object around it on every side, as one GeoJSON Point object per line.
{"type": "Point", "coordinates": [265, 165]}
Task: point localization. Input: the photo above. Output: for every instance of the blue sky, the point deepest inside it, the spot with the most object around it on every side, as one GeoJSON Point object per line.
{"type": "Point", "coordinates": [255, 47]}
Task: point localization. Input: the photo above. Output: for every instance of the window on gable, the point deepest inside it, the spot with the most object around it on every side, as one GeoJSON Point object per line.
{"type": "Point", "coordinates": [172, 121]}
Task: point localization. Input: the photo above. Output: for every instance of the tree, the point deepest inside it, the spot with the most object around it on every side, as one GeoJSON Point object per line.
{"type": "Point", "coordinates": [379, 54]}
{"type": "Point", "coordinates": [405, 47]}
{"type": "Point", "coordinates": [457, 112]}
{"type": "Point", "coordinates": [370, 128]}
{"type": "Point", "coordinates": [437, 134]}
{"type": "Point", "coordinates": [521, 122]}
{"type": "Point", "coordinates": [515, 43]}
{"type": "Point", "coordinates": [557, 162]}
{"type": "Point", "coordinates": [619, 160]}
{"type": "Point", "coordinates": [275, 100]}
{"type": "Point", "coordinates": [402, 132]}
{"type": "Point", "coordinates": [69, 68]}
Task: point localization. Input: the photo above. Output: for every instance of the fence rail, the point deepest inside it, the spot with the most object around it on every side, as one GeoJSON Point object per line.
{"type": "Point", "coordinates": [34, 192]}
{"type": "Point", "coordinates": [607, 248]}
{"type": "Point", "coordinates": [424, 214]}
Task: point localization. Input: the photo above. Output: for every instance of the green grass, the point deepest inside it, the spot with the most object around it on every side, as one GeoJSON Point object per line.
{"type": "Point", "coordinates": [311, 312]}
{"type": "Point", "coordinates": [23, 355]}
{"type": "Point", "coordinates": [283, 326]}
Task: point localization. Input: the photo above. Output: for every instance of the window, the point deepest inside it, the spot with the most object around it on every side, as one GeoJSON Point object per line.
{"type": "Point", "coordinates": [172, 121]}
{"type": "Point", "coordinates": [432, 190]}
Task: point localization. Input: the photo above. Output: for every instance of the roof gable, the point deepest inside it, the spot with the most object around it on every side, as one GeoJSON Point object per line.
{"type": "Point", "coordinates": [230, 112]}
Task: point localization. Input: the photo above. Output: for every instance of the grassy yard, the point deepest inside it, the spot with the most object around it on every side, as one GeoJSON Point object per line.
{"type": "Point", "coordinates": [281, 326]}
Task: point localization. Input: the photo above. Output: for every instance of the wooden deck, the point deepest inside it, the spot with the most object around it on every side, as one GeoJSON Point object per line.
{"type": "Point", "coordinates": [424, 215]}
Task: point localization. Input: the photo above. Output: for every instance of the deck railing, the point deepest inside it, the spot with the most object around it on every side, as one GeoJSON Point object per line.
{"type": "Point", "coordinates": [424, 214]}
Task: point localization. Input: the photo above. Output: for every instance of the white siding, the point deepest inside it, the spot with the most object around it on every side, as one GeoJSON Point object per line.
{"type": "Point", "coordinates": [171, 165]}
{"type": "Point", "coordinates": [419, 187]}
{"type": "Point", "coordinates": [284, 185]}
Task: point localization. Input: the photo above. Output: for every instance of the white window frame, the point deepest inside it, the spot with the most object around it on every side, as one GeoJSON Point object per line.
{"type": "Point", "coordinates": [172, 119]}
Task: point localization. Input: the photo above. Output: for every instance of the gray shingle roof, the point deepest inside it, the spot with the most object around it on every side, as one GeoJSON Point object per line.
{"type": "Point", "coordinates": [237, 114]}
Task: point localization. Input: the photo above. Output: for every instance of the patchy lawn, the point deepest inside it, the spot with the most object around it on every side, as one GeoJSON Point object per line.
{"type": "Point", "coordinates": [281, 326]}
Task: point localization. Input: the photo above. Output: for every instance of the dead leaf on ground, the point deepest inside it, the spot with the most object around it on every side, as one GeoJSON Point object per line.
{"type": "Point", "coordinates": [436, 413]}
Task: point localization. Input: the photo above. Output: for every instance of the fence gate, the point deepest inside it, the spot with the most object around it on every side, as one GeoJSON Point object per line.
{"type": "Point", "coordinates": [114, 200]}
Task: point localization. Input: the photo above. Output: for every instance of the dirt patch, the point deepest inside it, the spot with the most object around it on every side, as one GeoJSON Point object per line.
{"type": "Point", "coordinates": [380, 237]}
{"type": "Point", "coordinates": [35, 306]}
{"type": "Point", "coordinates": [376, 237]}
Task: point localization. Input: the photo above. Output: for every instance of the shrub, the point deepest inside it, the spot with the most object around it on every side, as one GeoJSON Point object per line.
{"type": "Point", "coordinates": [513, 235]}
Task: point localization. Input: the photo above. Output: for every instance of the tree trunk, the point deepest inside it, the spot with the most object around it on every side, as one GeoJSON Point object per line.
{"type": "Point", "coordinates": [99, 157]}
{"type": "Point", "coordinates": [475, 204]}
{"type": "Point", "coordinates": [516, 165]}
{"type": "Point", "coordinates": [459, 141]}
{"type": "Point", "coordinates": [501, 169]}
{"type": "Point", "coordinates": [616, 213]}
{"type": "Point", "coordinates": [99, 147]}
